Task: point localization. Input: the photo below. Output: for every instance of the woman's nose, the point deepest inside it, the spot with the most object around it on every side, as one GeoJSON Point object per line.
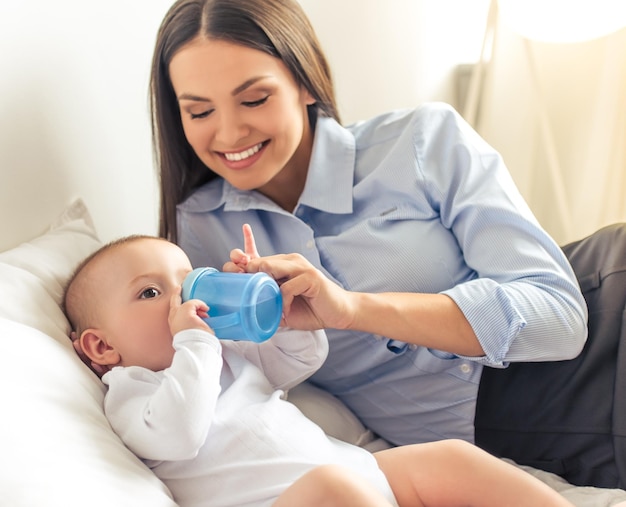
{"type": "Point", "coordinates": [230, 129]}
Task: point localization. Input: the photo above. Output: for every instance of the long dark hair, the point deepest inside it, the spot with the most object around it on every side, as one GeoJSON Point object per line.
{"type": "Point", "coordinates": [279, 28]}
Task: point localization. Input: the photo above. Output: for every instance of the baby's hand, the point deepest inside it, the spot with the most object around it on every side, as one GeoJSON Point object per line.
{"type": "Point", "coordinates": [238, 262]}
{"type": "Point", "coordinates": [239, 258]}
{"type": "Point", "coordinates": [187, 315]}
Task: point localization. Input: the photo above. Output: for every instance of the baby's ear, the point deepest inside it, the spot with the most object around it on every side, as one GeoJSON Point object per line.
{"type": "Point", "coordinates": [95, 346]}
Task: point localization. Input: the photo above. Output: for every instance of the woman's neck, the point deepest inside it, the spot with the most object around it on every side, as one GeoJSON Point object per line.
{"type": "Point", "coordinates": [287, 186]}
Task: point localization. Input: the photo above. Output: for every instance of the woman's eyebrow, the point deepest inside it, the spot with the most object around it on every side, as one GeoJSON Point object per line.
{"type": "Point", "coordinates": [190, 96]}
{"type": "Point", "coordinates": [246, 84]}
{"type": "Point", "coordinates": [242, 87]}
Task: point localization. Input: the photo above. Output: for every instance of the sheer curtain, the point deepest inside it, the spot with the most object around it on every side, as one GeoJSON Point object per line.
{"type": "Point", "coordinates": [557, 113]}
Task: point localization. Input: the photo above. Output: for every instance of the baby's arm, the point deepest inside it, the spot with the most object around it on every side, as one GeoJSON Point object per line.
{"type": "Point", "coordinates": [288, 358]}
{"type": "Point", "coordinates": [166, 415]}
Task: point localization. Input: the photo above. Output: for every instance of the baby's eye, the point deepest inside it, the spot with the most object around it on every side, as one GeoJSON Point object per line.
{"type": "Point", "coordinates": [149, 293]}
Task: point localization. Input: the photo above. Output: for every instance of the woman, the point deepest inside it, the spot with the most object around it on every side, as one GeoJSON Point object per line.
{"type": "Point", "coordinates": [434, 265]}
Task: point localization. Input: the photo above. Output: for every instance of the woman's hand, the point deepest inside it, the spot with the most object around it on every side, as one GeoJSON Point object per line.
{"type": "Point", "coordinates": [239, 258]}
{"type": "Point", "coordinates": [310, 299]}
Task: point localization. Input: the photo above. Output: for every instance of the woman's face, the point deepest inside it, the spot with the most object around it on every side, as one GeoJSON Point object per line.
{"type": "Point", "coordinates": [243, 113]}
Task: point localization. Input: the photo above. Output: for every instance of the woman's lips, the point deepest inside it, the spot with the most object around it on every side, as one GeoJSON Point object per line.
{"type": "Point", "coordinates": [244, 158]}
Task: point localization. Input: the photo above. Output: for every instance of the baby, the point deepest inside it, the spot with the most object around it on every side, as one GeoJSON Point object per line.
{"type": "Point", "coordinates": [209, 418]}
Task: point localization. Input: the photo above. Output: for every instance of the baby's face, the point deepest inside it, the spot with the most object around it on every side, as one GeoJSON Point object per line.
{"type": "Point", "coordinates": [137, 281]}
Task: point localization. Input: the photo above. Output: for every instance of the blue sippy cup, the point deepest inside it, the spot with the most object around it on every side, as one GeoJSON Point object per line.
{"type": "Point", "coordinates": [242, 306]}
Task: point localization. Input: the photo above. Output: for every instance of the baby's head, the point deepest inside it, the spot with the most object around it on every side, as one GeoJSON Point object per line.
{"type": "Point", "coordinates": [118, 302]}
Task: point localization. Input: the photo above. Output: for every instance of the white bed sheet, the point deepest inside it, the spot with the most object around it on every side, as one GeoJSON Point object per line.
{"type": "Point", "coordinates": [338, 421]}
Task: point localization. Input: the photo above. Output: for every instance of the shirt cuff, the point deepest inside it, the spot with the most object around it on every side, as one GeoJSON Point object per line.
{"type": "Point", "coordinates": [492, 315]}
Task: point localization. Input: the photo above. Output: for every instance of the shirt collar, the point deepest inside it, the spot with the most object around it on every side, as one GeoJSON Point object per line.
{"type": "Point", "coordinates": [328, 186]}
{"type": "Point", "coordinates": [331, 170]}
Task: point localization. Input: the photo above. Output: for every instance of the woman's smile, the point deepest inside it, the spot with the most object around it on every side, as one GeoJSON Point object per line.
{"type": "Point", "coordinates": [244, 158]}
{"type": "Point", "coordinates": [242, 155]}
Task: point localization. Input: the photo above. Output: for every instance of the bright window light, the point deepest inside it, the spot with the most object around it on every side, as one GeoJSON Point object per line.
{"type": "Point", "coordinates": [563, 20]}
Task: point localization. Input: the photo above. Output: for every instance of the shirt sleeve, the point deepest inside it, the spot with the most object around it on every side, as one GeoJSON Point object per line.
{"type": "Point", "coordinates": [288, 358]}
{"type": "Point", "coordinates": [525, 303]}
{"type": "Point", "coordinates": [167, 415]}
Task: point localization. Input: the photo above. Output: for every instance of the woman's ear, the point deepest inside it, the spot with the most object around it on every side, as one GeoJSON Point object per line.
{"type": "Point", "coordinates": [95, 346]}
{"type": "Point", "coordinates": [306, 97]}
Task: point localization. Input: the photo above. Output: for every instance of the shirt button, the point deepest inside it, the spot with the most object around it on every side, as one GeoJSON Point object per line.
{"type": "Point", "coordinates": [310, 244]}
{"type": "Point", "coordinates": [465, 368]}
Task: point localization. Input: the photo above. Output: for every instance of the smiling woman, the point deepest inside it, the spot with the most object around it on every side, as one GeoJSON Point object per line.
{"type": "Point", "coordinates": [430, 264]}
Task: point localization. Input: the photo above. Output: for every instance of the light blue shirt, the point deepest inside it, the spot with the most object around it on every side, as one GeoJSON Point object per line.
{"type": "Point", "coordinates": [410, 201]}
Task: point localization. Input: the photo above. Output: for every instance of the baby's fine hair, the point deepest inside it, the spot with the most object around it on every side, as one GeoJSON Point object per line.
{"type": "Point", "coordinates": [75, 298]}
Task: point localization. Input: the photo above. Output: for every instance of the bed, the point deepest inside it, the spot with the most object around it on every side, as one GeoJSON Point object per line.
{"type": "Point", "coordinates": [57, 448]}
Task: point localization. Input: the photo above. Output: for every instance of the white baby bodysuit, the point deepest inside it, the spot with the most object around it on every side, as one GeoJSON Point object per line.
{"type": "Point", "coordinates": [215, 427]}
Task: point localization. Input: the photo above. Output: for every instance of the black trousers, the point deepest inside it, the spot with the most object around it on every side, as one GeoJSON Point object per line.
{"type": "Point", "coordinates": [569, 417]}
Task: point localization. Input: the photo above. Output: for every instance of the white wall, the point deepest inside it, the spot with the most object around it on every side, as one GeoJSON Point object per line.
{"type": "Point", "coordinates": [396, 53]}
{"type": "Point", "coordinates": [74, 113]}
{"type": "Point", "coordinates": [74, 105]}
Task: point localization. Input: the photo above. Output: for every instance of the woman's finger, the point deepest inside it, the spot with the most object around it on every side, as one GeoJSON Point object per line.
{"type": "Point", "coordinates": [249, 244]}
{"type": "Point", "coordinates": [281, 266]}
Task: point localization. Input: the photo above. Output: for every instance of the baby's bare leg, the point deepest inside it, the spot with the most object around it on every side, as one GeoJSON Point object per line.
{"type": "Point", "coordinates": [453, 473]}
{"type": "Point", "coordinates": [331, 486]}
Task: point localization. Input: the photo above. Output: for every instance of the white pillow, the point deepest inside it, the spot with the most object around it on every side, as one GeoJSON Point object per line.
{"type": "Point", "coordinates": [33, 275]}
{"type": "Point", "coordinates": [330, 414]}
{"type": "Point", "coordinates": [56, 446]}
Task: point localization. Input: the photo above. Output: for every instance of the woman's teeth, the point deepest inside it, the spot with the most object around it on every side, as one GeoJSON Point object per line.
{"type": "Point", "coordinates": [235, 157]}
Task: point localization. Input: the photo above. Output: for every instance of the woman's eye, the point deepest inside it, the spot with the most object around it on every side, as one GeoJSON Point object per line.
{"type": "Point", "coordinates": [203, 114]}
{"type": "Point", "coordinates": [256, 103]}
{"type": "Point", "coordinates": [149, 293]}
